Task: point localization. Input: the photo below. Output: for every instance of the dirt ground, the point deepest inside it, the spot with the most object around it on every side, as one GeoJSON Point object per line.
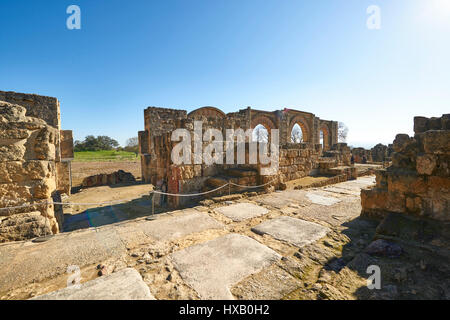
{"type": "Point", "coordinates": [81, 170]}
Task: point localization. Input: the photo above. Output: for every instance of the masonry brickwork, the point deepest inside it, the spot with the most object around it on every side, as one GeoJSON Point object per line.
{"type": "Point", "coordinates": [35, 160]}
{"type": "Point", "coordinates": [418, 181]}
{"type": "Point", "coordinates": [296, 160]}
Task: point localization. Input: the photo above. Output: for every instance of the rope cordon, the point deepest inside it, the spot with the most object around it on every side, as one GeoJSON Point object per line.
{"type": "Point", "coordinates": [127, 200]}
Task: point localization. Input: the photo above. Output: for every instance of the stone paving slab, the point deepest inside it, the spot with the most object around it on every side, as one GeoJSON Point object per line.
{"type": "Point", "coordinates": [282, 199]}
{"type": "Point", "coordinates": [272, 283]}
{"type": "Point", "coordinates": [25, 262]}
{"type": "Point", "coordinates": [242, 211]}
{"type": "Point", "coordinates": [175, 227]}
{"type": "Point", "coordinates": [126, 284]}
{"type": "Point", "coordinates": [321, 199]}
{"type": "Point", "coordinates": [341, 190]}
{"type": "Point", "coordinates": [294, 231]}
{"type": "Point", "coordinates": [213, 267]}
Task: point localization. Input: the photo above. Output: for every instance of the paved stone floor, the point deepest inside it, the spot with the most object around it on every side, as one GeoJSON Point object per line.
{"type": "Point", "coordinates": [211, 268]}
{"type": "Point", "coordinates": [213, 251]}
{"type": "Point", "coordinates": [242, 211]}
{"type": "Point", "coordinates": [295, 231]}
{"type": "Point", "coordinates": [126, 284]}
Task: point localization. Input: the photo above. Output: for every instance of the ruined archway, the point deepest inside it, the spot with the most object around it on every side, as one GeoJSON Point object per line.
{"type": "Point", "coordinates": [265, 121]}
{"type": "Point", "coordinates": [296, 134]}
{"type": "Point", "coordinates": [325, 137]}
{"type": "Point", "coordinates": [296, 122]}
{"type": "Point", "coordinates": [208, 112]}
{"type": "Point", "coordinates": [260, 133]}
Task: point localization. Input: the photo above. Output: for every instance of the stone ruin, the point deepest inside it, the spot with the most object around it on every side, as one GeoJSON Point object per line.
{"type": "Point", "coordinates": [35, 165]}
{"type": "Point", "coordinates": [412, 196]}
{"type": "Point", "coordinates": [296, 160]}
{"type": "Point", "coordinates": [105, 179]}
{"type": "Point", "coordinates": [378, 154]}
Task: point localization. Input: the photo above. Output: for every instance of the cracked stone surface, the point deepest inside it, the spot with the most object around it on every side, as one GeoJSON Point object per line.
{"type": "Point", "coordinates": [242, 211]}
{"type": "Point", "coordinates": [295, 231]}
{"type": "Point", "coordinates": [126, 284]}
{"type": "Point", "coordinates": [211, 268]}
{"type": "Point", "coordinates": [189, 221]}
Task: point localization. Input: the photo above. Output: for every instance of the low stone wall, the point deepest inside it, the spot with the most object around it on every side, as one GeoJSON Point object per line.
{"type": "Point", "coordinates": [331, 180]}
{"type": "Point", "coordinates": [298, 160]}
{"type": "Point", "coordinates": [418, 181]}
{"type": "Point", "coordinates": [108, 179]}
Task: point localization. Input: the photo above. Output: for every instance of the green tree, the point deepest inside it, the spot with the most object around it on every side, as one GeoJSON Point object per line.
{"type": "Point", "coordinates": [132, 145]}
{"type": "Point", "coordinates": [91, 143]}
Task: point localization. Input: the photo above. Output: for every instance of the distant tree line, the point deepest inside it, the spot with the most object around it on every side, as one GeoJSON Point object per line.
{"type": "Point", "coordinates": [92, 143]}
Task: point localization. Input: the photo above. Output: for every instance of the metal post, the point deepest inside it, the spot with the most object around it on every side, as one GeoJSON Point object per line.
{"type": "Point", "coordinates": [153, 205]}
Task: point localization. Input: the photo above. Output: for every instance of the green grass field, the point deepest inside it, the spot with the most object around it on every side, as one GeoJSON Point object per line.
{"type": "Point", "coordinates": [105, 155]}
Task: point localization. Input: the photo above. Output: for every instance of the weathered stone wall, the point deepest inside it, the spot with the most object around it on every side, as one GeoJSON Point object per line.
{"type": "Point", "coordinates": [360, 153]}
{"type": "Point", "coordinates": [41, 107]}
{"type": "Point", "coordinates": [35, 162]}
{"type": "Point", "coordinates": [107, 179]}
{"type": "Point", "coordinates": [381, 153]}
{"type": "Point", "coordinates": [296, 160]}
{"type": "Point", "coordinates": [418, 181]}
{"type": "Point", "coordinates": [27, 173]}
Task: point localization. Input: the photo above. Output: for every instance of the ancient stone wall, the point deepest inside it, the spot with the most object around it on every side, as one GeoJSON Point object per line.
{"type": "Point", "coordinates": [41, 107]}
{"type": "Point", "coordinates": [27, 174]}
{"type": "Point", "coordinates": [296, 160]}
{"type": "Point", "coordinates": [418, 181]}
{"type": "Point", "coordinates": [360, 153]}
{"type": "Point", "coordinates": [381, 153]}
{"type": "Point", "coordinates": [35, 160]}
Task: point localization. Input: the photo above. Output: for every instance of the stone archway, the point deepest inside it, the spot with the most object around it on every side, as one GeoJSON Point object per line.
{"type": "Point", "coordinates": [209, 112]}
{"type": "Point", "coordinates": [267, 122]}
{"type": "Point", "coordinates": [325, 137]}
{"type": "Point", "coordinates": [260, 133]}
{"type": "Point", "coordinates": [301, 121]}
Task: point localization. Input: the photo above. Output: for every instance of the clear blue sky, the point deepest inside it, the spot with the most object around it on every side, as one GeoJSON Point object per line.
{"type": "Point", "coordinates": [317, 56]}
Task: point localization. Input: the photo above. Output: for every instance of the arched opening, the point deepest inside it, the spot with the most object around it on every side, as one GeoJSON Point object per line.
{"type": "Point", "coordinates": [209, 112]}
{"type": "Point", "coordinates": [297, 134]}
{"type": "Point", "coordinates": [324, 138]}
{"type": "Point", "coordinates": [298, 125]}
{"type": "Point", "coordinates": [260, 134]}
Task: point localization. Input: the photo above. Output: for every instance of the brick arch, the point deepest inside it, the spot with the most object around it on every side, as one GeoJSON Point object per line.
{"type": "Point", "coordinates": [326, 136]}
{"type": "Point", "coordinates": [266, 121]}
{"type": "Point", "coordinates": [301, 121]}
{"type": "Point", "coordinates": [209, 112]}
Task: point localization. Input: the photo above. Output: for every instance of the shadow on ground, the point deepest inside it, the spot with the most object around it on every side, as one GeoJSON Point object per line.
{"type": "Point", "coordinates": [105, 215]}
{"type": "Point", "coordinates": [415, 274]}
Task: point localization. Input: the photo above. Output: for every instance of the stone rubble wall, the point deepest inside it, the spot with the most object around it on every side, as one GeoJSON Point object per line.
{"type": "Point", "coordinates": [296, 160]}
{"type": "Point", "coordinates": [418, 181]}
{"type": "Point", "coordinates": [379, 154]}
{"type": "Point", "coordinates": [106, 179]}
{"type": "Point", "coordinates": [28, 155]}
{"type": "Point", "coordinates": [360, 153]}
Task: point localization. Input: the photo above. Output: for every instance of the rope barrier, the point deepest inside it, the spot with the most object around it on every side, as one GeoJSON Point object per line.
{"type": "Point", "coordinates": [127, 200]}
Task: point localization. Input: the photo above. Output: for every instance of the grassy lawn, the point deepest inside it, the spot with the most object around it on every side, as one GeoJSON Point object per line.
{"type": "Point", "coordinates": [105, 155]}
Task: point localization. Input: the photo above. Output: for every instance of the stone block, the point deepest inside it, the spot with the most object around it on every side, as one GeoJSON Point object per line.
{"type": "Point", "coordinates": [24, 226]}
{"type": "Point", "coordinates": [426, 164]}
{"type": "Point", "coordinates": [126, 284]}
{"type": "Point", "coordinates": [436, 141]}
